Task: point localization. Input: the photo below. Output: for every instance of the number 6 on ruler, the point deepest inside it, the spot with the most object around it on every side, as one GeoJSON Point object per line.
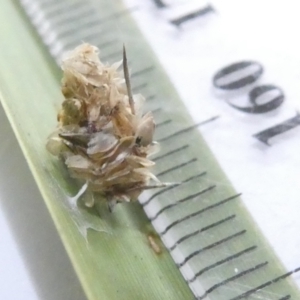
{"type": "Point", "coordinates": [247, 77]}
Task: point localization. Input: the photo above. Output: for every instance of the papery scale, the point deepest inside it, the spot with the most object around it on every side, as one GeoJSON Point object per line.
{"type": "Point", "coordinates": [103, 140]}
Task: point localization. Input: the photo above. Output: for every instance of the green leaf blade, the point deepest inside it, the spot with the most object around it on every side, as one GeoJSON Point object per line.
{"type": "Point", "coordinates": [115, 261]}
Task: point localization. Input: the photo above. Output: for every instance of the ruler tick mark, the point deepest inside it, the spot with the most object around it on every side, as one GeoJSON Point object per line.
{"type": "Point", "coordinates": [176, 167]}
{"type": "Point", "coordinates": [181, 201]}
{"type": "Point", "coordinates": [243, 273]}
{"type": "Point", "coordinates": [156, 110]}
{"type": "Point", "coordinates": [111, 55]}
{"type": "Point", "coordinates": [121, 13]}
{"type": "Point", "coordinates": [171, 152]}
{"type": "Point", "coordinates": [113, 16]}
{"type": "Point", "coordinates": [218, 223]}
{"type": "Point", "coordinates": [266, 284]}
{"type": "Point", "coordinates": [187, 129]}
{"type": "Point", "coordinates": [220, 262]}
{"type": "Point", "coordinates": [201, 230]}
{"type": "Point", "coordinates": [55, 10]}
{"type": "Point", "coordinates": [190, 16]}
{"type": "Point", "coordinates": [159, 4]}
{"type": "Point", "coordinates": [73, 13]}
{"type": "Point", "coordinates": [287, 297]}
{"type": "Point", "coordinates": [50, 4]}
{"type": "Point", "coordinates": [142, 71]}
{"type": "Point", "coordinates": [199, 212]}
{"type": "Point", "coordinates": [87, 27]}
{"type": "Point", "coordinates": [163, 123]}
{"type": "Point", "coordinates": [95, 22]}
{"type": "Point", "coordinates": [171, 187]}
{"type": "Point", "coordinates": [195, 253]}
{"type": "Point", "coordinates": [140, 86]}
{"type": "Point", "coordinates": [106, 44]}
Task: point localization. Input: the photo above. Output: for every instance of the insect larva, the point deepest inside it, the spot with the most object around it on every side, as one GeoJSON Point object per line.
{"type": "Point", "coordinates": [153, 243]}
{"type": "Point", "coordinates": [102, 135]}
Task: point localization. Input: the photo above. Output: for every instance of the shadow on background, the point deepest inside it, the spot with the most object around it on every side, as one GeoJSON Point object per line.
{"type": "Point", "coordinates": [39, 244]}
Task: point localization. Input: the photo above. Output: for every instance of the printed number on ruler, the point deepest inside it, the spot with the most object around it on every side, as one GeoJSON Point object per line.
{"type": "Point", "coordinates": [180, 12]}
{"type": "Point", "coordinates": [270, 95]}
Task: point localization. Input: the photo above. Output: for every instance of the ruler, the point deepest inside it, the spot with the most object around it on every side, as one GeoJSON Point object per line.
{"type": "Point", "coordinates": [202, 222]}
